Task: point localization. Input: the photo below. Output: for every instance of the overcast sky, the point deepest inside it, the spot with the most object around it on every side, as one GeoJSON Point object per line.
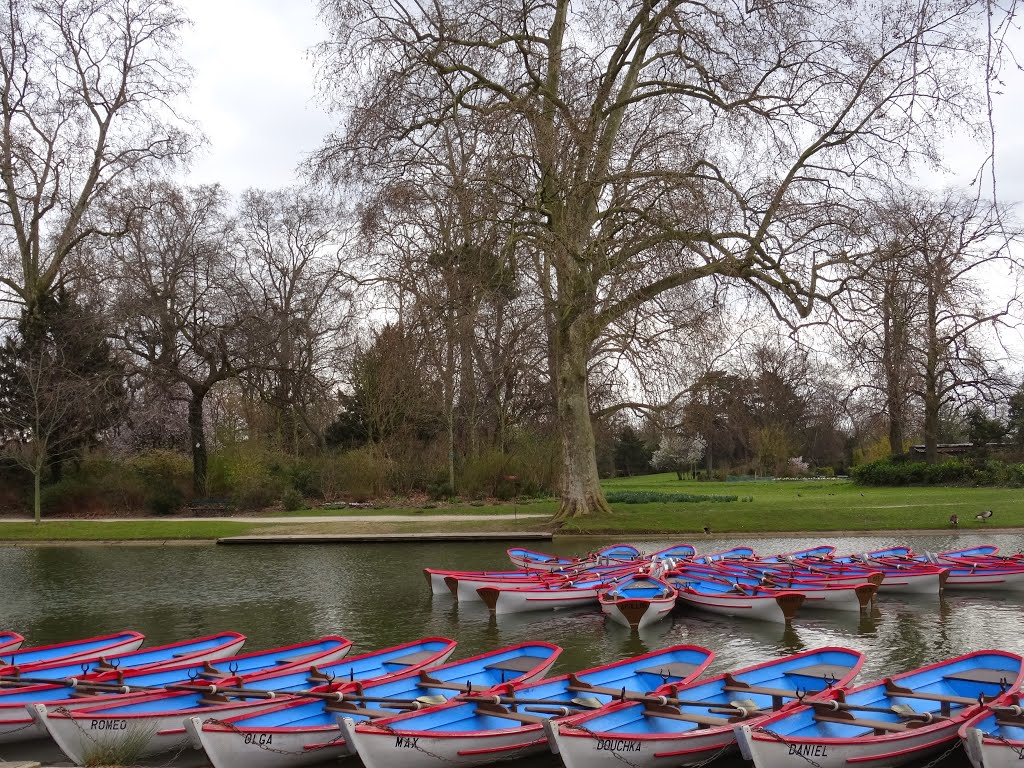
{"type": "Point", "coordinates": [254, 97]}
{"type": "Point", "coordinates": [253, 92]}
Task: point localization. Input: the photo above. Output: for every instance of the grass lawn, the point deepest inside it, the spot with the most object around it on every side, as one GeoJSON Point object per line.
{"type": "Point", "coordinates": [812, 505]}
{"type": "Point", "coordinates": [769, 506]}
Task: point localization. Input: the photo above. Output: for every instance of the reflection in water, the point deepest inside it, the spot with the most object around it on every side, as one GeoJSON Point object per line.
{"type": "Point", "coordinates": [376, 595]}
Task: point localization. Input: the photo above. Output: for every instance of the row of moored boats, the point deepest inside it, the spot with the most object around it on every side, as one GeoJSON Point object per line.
{"type": "Point", "coordinates": [409, 706]}
{"type": "Point", "coordinates": [637, 590]}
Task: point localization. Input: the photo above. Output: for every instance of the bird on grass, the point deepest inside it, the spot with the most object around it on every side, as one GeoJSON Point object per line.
{"type": "Point", "coordinates": [983, 516]}
{"type": "Point", "coordinates": [954, 520]}
{"type": "Point", "coordinates": [707, 531]}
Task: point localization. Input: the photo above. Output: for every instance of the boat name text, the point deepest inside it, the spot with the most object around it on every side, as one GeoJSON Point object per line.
{"type": "Point", "coordinates": [809, 750]}
{"type": "Point", "coordinates": [108, 725]}
{"type": "Point", "coordinates": [618, 745]}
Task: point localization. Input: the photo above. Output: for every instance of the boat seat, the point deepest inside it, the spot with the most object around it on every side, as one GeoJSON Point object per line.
{"type": "Point", "coordinates": [680, 669]}
{"type": "Point", "coordinates": [875, 725]}
{"type": "Point", "coordinates": [412, 658]}
{"type": "Point", "coordinates": [821, 671]}
{"type": "Point", "coordinates": [893, 689]}
{"type": "Point", "coordinates": [983, 675]}
{"type": "Point", "coordinates": [517, 664]}
{"type": "Point", "coordinates": [671, 713]}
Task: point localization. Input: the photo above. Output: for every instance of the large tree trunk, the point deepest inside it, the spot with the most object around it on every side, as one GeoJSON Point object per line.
{"type": "Point", "coordinates": [581, 486]}
{"type": "Point", "coordinates": [932, 396]}
{"type": "Point", "coordinates": [198, 435]}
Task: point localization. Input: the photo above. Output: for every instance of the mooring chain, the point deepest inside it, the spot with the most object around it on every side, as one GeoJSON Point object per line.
{"type": "Point", "coordinates": [793, 748]}
{"type": "Point", "coordinates": [1019, 751]}
{"type": "Point", "coordinates": [957, 744]}
{"type": "Point", "coordinates": [267, 748]}
{"type": "Point", "coordinates": [615, 753]}
{"type": "Point", "coordinates": [414, 743]}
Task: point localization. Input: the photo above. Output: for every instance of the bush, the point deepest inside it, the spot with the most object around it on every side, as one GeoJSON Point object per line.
{"type": "Point", "coordinates": [357, 475]}
{"type": "Point", "coordinates": [292, 500]}
{"type": "Point", "coordinates": [166, 476]}
{"type": "Point", "coordinates": [649, 497]}
{"type": "Point", "coordinates": [899, 471]}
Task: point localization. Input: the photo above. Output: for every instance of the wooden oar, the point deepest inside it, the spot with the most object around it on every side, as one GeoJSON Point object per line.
{"type": "Point", "coordinates": [903, 710]}
{"type": "Point", "coordinates": [575, 684]}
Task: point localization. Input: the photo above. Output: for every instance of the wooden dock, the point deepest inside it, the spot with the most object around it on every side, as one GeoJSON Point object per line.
{"type": "Point", "coordinates": [378, 538]}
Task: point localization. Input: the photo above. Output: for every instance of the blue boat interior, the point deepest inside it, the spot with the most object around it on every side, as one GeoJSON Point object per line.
{"type": "Point", "coordinates": [943, 690]}
{"type": "Point", "coordinates": [40, 655]}
{"type": "Point", "coordinates": [714, 702]}
{"type": "Point", "coordinates": [482, 672]}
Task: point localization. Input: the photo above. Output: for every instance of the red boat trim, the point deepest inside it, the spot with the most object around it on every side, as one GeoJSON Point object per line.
{"type": "Point", "coordinates": [338, 743]}
{"type": "Point", "coordinates": [170, 731]}
{"type": "Point", "coordinates": [677, 752]}
{"type": "Point", "coordinates": [897, 753]}
{"type": "Point", "coordinates": [506, 748]}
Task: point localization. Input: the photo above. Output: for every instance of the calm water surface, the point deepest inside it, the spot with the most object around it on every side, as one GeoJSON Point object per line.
{"type": "Point", "coordinates": [375, 594]}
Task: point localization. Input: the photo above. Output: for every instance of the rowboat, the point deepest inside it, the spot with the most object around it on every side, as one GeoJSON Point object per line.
{"type": "Point", "coordinates": [638, 601]}
{"type": "Point", "coordinates": [823, 552]}
{"type": "Point", "coordinates": [437, 578]}
{"type": "Point", "coordinates": [155, 722]}
{"type": "Point", "coordinates": [510, 724]}
{"type": "Point", "coordinates": [546, 596]}
{"type": "Point", "coordinates": [994, 738]}
{"type": "Point", "coordinates": [824, 594]}
{"type": "Point", "coordinates": [58, 681]}
{"type": "Point", "coordinates": [305, 731]}
{"type": "Point", "coordinates": [10, 641]}
{"type": "Point", "coordinates": [209, 647]}
{"type": "Point", "coordinates": [736, 553]}
{"type": "Point", "coordinates": [725, 599]}
{"type": "Point", "coordinates": [539, 561]}
{"type": "Point", "coordinates": [689, 724]}
{"type": "Point", "coordinates": [890, 722]}
{"type": "Point", "coordinates": [464, 587]}
{"type": "Point", "coordinates": [91, 648]}
{"type": "Point", "coordinates": [675, 552]}
{"type": "Point", "coordinates": [972, 569]}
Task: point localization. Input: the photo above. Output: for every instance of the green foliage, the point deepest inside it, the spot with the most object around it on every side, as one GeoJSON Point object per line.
{"type": "Point", "coordinates": [246, 473]}
{"type": "Point", "coordinates": [899, 472]}
{"type": "Point", "coordinates": [632, 457]}
{"type": "Point", "coordinates": [166, 476]}
{"type": "Point", "coordinates": [648, 497]}
{"type": "Point", "coordinates": [357, 475]}
{"type": "Point", "coordinates": [292, 500]}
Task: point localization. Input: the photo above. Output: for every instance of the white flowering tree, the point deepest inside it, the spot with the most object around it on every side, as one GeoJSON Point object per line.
{"type": "Point", "coordinates": [678, 452]}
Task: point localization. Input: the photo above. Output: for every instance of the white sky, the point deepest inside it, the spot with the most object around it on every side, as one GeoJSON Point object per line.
{"type": "Point", "coordinates": [253, 92]}
{"type": "Point", "coordinates": [254, 97]}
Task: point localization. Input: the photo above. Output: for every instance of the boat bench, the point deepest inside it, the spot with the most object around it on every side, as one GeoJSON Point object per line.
{"type": "Point", "coordinates": [680, 669]}
{"type": "Point", "coordinates": [209, 506]}
{"type": "Point", "coordinates": [517, 664]}
{"type": "Point", "coordinates": [981, 675]}
{"type": "Point", "coordinates": [823, 672]}
{"type": "Point", "coordinates": [411, 658]}
{"type": "Point", "coordinates": [875, 725]}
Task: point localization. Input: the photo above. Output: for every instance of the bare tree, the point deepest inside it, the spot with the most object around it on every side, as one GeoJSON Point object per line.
{"type": "Point", "coordinates": [296, 285]}
{"type": "Point", "coordinates": [86, 93]}
{"type": "Point", "coordinates": [920, 325]}
{"type": "Point", "coordinates": [49, 400]}
{"type": "Point", "coordinates": [178, 302]}
{"type": "Point", "coordinates": [655, 144]}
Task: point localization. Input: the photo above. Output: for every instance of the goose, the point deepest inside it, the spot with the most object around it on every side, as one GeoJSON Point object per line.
{"type": "Point", "coordinates": [983, 516]}
{"type": "Point", "coordinates": [954, 520]}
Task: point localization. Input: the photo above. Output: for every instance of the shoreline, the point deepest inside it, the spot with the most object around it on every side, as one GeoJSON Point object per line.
{"type": "Point", "coordinates": [429, 537]}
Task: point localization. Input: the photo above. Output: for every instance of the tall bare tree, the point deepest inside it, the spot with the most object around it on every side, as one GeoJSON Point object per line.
{"type": "Point", "coordinates": [659, 143]}
{"type": "Point", "coordinates": [178, 303]}
{"type": "Point", "coordinates": [299, 294]}
{"type": "Point", "coordinates": [86, 95]}
{"type": "Point", "coordinates": [920, 326]}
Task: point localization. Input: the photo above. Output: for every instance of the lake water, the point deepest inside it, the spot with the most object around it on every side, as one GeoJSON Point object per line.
{"type": "Point", "coordinates": [376, 595]}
